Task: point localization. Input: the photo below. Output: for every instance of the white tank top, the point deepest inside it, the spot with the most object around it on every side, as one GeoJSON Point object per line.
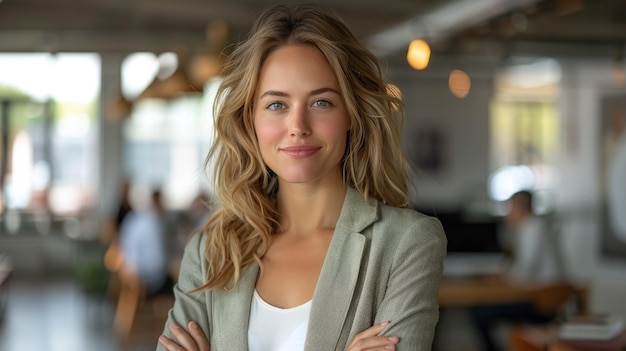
{"type": "Point", "coordinates": [277, 329]}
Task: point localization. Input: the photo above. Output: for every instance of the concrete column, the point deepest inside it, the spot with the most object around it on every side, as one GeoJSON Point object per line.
{"type": "Point", "coordinates": [111, 141]}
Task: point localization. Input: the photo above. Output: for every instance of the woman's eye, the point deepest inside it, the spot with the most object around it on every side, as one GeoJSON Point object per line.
{"type": "Point", "coordinates": [275, 106]}
{"type": "Point", "coordinates": [322, 103]}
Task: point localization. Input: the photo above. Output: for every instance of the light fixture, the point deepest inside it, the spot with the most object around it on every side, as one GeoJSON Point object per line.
{"type": "Point", "coordinates": [119, 108]}
{"type": "Point", "coordinates": [174, 85]}
{"type": "Point", "coordinates": [459, 83]}
{"type": "Point", "coordinates": [418, 55]}
{"type": "Point", "coordinates": [205, 67]}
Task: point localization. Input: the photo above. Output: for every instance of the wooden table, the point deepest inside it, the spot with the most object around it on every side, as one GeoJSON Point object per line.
{"type": "Point", "coordinates": [459, 292]}
{"type": "Point", "coordinates": [471, 291]}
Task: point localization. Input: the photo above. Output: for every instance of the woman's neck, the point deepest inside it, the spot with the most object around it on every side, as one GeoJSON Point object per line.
{"type": "Point", "coordinates": [307, 209]}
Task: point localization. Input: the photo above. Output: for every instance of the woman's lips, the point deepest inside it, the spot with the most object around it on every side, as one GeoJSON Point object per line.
{"type": "Point", "coordinates": [300, 151]}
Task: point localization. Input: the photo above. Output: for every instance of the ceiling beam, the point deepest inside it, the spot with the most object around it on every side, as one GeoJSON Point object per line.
{"type": "Point", "coordinates": [100, 41]}
{"type": "Point", "coordinates": [442, 22]}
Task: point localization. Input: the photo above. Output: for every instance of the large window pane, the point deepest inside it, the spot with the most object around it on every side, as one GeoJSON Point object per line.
{"type": "Point", "coordinates": [524, 128]}
{"type": "Point", "coordinates": [49, 131]}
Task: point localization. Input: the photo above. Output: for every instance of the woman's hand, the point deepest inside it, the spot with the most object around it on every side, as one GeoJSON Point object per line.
{"type": "Point", "coordinates": [194, 340]}
{"type": "Point", "coordinates": [370, 340]}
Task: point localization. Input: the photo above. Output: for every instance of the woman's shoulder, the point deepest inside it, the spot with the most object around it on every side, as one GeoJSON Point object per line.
{"type": "Point", "coordinates": [410, 222]}
{"type": "Point", "coordinates": [402, 232]}
{"type": "Point", "coordinates": [195, 246]}
{"type": "Point", "coordinates": [402, 216]}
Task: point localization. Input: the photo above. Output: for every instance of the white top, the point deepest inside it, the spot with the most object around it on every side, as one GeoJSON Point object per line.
{"type": "Point", "coordinates": [536, 257]}
{"type": "Point", "coordinates": [277, 329]}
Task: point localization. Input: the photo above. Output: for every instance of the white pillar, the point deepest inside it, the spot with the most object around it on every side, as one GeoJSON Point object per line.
{"type": "Point", "coordinates": [110, 143]}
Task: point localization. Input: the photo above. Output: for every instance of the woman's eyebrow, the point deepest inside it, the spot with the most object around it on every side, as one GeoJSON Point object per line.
{"type": "Point", "coordinates": [323, 90]}
{"type": "Point", "coordinates": [283, 94]}
{"type": "Point", "coordinates": [273, 93]}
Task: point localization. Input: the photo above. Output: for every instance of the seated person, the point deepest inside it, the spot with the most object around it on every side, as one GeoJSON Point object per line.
{"type": "Point", "coordinates": [535, 261]}
{"type": "Point", "coordinates": [142, 242]}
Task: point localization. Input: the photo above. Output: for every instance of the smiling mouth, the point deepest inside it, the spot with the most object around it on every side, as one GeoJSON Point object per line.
{"type": "Point", "coordinates": [300, 151]}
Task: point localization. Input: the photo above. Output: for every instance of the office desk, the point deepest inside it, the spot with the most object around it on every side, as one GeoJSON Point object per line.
{"type": "Point", "coordinates": [459, 292]}
{"type": "Point", "coordinates": [471, 291]}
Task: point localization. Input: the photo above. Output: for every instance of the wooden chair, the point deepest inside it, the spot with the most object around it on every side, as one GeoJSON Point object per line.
{"type": "Point", "coordinates": [130, 295]}
{"type": "Point", "coordinates": [113, 263]}
{"type": "Point", "coordinates": [138, 315]}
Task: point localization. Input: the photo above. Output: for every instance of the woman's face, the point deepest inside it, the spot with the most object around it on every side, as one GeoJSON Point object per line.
{"type": "Point", "coordinates": [300, 118]}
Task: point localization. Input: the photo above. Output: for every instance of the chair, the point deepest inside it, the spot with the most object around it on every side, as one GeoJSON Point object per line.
{"type": "Point", "coordinates": [138, 314]}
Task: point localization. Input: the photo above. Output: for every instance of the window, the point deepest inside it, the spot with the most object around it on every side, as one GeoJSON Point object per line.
{"type": "Point", "coordinates": [524, 127]}
{"type": "Point", "coordinates": [166, 145]}
{"type": "Point", "coordinates": [49, 114]}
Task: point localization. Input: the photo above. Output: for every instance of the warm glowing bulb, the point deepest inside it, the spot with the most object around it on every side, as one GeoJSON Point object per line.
{"type": "Point", "coordinates": [418, 54]}
{"type": "Point", "coordinates": [459, 83]}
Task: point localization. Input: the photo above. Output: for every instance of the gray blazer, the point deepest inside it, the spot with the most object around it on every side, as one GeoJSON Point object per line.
{"type": "Point", "coordinates": [383, 263]}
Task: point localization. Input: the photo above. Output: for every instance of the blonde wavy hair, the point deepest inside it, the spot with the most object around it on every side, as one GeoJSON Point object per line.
{"type": "Point", "coordinates": [238, 233]}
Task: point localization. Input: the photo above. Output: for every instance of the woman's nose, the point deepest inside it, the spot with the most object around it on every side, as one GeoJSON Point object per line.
{"type": "Point", "coordinates": [299, 122]}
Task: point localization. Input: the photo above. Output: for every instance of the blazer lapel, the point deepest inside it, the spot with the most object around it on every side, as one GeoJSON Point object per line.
{"type": "Point", "coordinates": [335, 287]}
{"type": "Point", "coordinates": [231, 312]}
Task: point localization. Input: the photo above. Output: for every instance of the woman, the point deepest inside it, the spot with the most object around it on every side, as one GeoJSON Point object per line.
{"type": "Point", "coordinates": [313, 247]}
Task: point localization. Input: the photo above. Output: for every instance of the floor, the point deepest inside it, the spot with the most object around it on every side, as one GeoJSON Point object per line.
{"type": "Point", "coordinates": [55, 315]}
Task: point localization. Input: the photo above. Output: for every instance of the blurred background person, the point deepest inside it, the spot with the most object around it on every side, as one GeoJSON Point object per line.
{"type": "Point", "coordinates": [143, 246]}
{"type": "Point", "coordinates": [535, 255]}
{"type": "Point", "coordinates": [109, 237]}
{"type": "Point", "coordinates": [124, 207]}
{"type": "Point", "coordinates": [534, 261]}
{"type": "Point", "coordinates": [111, 227]}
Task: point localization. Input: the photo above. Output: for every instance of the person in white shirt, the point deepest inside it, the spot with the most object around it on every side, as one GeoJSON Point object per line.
{"type": "Point", "coordinates": [535, 261]}
{"type": "Point", "coordinates": [535, 253]}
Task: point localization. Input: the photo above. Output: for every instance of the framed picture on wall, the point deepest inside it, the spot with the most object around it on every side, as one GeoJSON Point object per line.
{"type": "Point", "coordinates": [613, 176]}
{"type": "Point", "coordinates": [427, 150]}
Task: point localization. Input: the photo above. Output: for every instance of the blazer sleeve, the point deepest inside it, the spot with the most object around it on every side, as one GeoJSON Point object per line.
{"type": "Point", "coordinates": [190, 306]}
{"type": "Point", "coordinates": [411, 297]}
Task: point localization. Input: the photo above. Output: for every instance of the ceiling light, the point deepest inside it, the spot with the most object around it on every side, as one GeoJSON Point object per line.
{"type": "Point", "coordinates": [459, 83]}
{"type": "Point", "coordinates": [418, 55]}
